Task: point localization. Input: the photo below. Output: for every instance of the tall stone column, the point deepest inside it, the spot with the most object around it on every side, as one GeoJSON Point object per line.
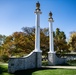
{"type": "Point", "coordinates": [52, 58]}
{"type": "Point", "coordinates": [37, 50]}
{"type": "Point", "coordinates": [51, 53]}
{"type": "Point", "coordinates": [37, 28]}
{"type": "Point", "coordinates": [51, 44]}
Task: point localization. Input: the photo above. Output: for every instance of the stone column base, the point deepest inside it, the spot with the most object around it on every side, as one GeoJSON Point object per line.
{"type": "Point", "coordinates": [38, 59]}
{"type": "Point", "coordinates": [54, 60]}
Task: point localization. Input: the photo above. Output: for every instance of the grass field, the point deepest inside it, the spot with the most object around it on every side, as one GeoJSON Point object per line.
{"type": "Point", "coordinates": [4, 71]}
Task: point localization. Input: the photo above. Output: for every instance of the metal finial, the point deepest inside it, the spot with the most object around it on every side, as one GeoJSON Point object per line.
{"type": "Point", "coordinates": [38, 6]}
{"type": "Point", "coordinates": [50, 14]}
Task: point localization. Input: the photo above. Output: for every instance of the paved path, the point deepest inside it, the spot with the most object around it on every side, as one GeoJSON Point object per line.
{"type": "Point", "coordinates": [65, 67]}
{"type": "Point", "coordinates": [3, 63]}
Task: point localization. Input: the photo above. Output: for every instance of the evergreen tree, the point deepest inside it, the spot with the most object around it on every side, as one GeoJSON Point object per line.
{"type": "Point", "coordinates": [60, 44]}
{"type": "Point", "coordinates": [72, 42]}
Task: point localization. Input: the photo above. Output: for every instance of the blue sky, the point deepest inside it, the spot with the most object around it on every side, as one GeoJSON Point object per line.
{"type": "Point", "coordinates": [15, 14]}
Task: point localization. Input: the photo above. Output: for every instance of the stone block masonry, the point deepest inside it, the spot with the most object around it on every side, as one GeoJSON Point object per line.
{"type": "Point", "coordinates": [33, 60]}
{"type": "Point", "coordinates": [54, 60]}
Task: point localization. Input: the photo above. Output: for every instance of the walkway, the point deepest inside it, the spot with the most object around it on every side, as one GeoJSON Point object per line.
{"type": "Point", "coordinates": [64, 67]}
{"type": "Point", "coordinates": [3, 63]}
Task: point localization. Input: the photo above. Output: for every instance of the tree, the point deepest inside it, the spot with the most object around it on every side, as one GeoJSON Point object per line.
{"type": "Point", "coordinates": [44, 39]}
{"type": "Point", "coordinates": [45, 31]}
{"type": "Point", "coordinates": [29, 30]}
{"type": "Point", "coordinates": [60, 44]}
{"type": "Point", "coordinates": [72, 42]}
{"type": "Point", "coordinates": [22, 43]}
{"type": "Point", "coordinates": [2, 39]}
{"type": "Point", "coordinates": [44, 42]}
{"type": "Point", "coordinates": [19, 43]}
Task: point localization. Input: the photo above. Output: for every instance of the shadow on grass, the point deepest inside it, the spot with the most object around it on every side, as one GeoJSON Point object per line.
{"type": "Point", "coordinates": [29, 71]}
{"type": "Point", "coordinates": [3, 69]}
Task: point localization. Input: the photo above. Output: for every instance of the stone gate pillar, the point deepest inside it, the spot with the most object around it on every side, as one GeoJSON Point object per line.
{"type": "Point", "coordinates": [37, 36]}
{"type": "Point", "coordinates": [52, 58]}
{"type": "Point", "coordinates": [51, 44]}
{"type": "Point", "coordinates": [51, 53]}
{"type": "Point", "coordinates": [37, 28]}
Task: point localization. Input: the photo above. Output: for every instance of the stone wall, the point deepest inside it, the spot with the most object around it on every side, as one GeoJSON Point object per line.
{"type": "Point", "coordinates": [54, 60]}
{"type": "Point", "coordinates": [33, 60]}
{"type": "Point", "coordinates": [68, 56]}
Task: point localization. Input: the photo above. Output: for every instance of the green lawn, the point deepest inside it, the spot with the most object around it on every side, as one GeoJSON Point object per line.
{"type": "Point", "coordinates": [55, 72]}
{"type": "Point", "coordinates": [4, 71]}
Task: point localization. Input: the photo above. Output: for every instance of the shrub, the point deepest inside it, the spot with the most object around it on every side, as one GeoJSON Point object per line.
{"type": "Point", "coordinates": [72, 62]}
{"type": "Point", "coordinates": [4, 58]}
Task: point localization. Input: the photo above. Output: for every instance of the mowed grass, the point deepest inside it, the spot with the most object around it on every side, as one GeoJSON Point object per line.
{"type": "Point", "coordinates": [4, 70]}
{"type": "Point", "coordinates": [55, 72]}
{"type": "Point", "coordinates": [42, 71]}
